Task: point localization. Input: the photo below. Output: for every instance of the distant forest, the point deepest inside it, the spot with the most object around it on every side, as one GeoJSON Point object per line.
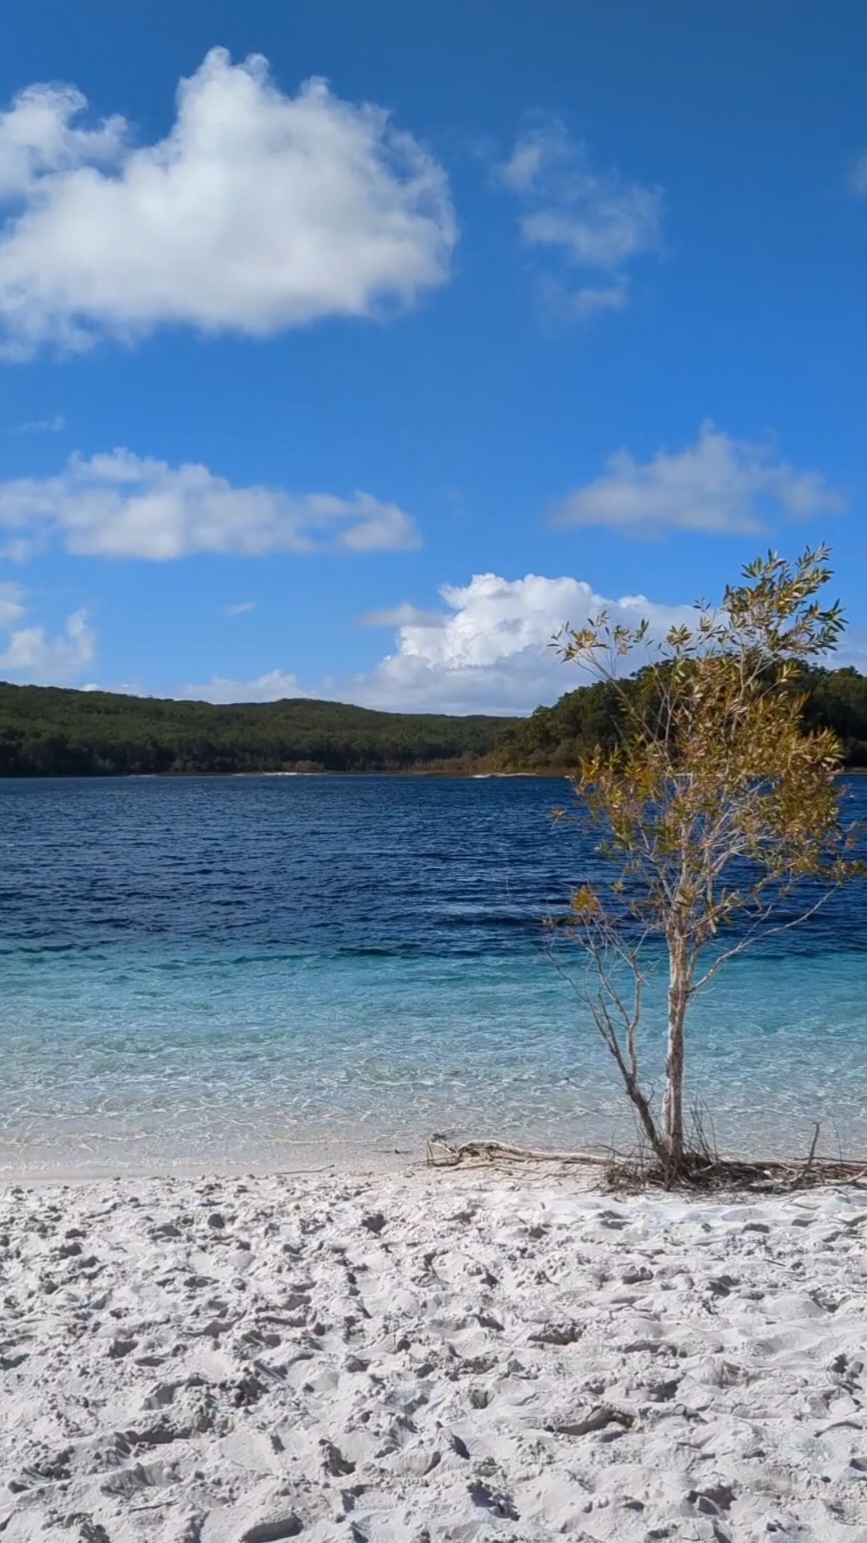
{"type": "Point", "coordinates": [553, 738]}
{"type": "Point", "coordinates": [48, 732]}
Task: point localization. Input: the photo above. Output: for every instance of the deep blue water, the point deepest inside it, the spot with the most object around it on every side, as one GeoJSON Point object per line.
{"type": "Point", "coordinates": [226, 971]}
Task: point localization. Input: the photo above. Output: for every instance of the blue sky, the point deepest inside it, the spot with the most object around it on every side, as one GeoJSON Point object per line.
{"type": "Point", "coordinates": [361, 388]}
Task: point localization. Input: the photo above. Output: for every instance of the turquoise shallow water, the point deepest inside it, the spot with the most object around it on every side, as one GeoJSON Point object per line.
{"type": "Point", "coordinates": [234, 972]}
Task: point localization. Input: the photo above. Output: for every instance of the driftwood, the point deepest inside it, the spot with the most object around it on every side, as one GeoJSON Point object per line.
{"type": "Point", "coordinates": [702, 1170]}
{"type": "Point", "coordinates": [440, 1154]}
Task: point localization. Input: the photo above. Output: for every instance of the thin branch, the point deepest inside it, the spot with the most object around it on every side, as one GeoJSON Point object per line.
{"type": "Point", "coordinates": [746, 943]}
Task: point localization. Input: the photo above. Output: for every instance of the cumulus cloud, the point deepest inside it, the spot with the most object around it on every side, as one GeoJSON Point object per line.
{"type": "Point", "coordinates": [490, 649]}
{"type": "Point", "coordinates": [39, 137]}
{"type": "Point", "coordinates": [259, 211]}
{"type": "Point", "coordinates": [124, 505]}
{"type": "Point", "coordinates": [273, 687]}
{"type": "Point", "coordinates": [487, 649]}
{"type": "Point", "coordinates": [31, 657]}
{"type": "Point", "coordinates": [591, 222]}
{"type": "Point", "coordinates": [717, 485]}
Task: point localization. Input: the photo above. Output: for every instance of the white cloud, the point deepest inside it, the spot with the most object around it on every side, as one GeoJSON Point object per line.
{"type": "Point", "coordinates": [490, 650]}
{"type": "Point", "coordinates": [124, 505]}
{"type": "Point", "coordinates": [593, 221]}
{"type": "Point", "coordinates": [39, 137]}
{"type": "Point", "coordinates": [53, 425]}
{"type": "Point", "coordinates": [592, 298]}
{"type": "Point", "coordinates": [259, 211]}
{"type": "Point", "coordinates": [33, 658]}
{"type": "Point", "coordinates": [240, 609]}
{"type": "Point", "coordinates": [719, 484]}
{"type": "Point", "coordinates": [403, 615]}
{"type": "Point", "coordinates": [487, 650]}
{"type": "Point", "coordinates": [273, 687]}
{"type": "Point", "coordinates": [12, 606]}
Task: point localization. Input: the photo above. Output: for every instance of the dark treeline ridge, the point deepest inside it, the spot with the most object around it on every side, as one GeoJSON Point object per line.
{"type": "Point", "coordinates": [553, 739]}
{"type": "Point", "coordinates": [49, 732]}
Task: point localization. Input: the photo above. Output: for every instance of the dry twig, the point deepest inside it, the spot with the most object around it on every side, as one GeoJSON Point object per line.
{"type": "Point", "coordinates": [638, 1172]}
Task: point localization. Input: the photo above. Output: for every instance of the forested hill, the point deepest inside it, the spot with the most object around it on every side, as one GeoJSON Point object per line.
{"type": "Point", "coordinates": [553, 739]}
{"type": "Point", "coordinates": [46, 731]}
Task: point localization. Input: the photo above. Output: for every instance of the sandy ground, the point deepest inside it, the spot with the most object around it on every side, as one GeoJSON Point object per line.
{"type": "Point", "coordinates": [429, 1356]}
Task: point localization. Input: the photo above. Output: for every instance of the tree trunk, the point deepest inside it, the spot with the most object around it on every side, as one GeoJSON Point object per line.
{"type": "Point", "coordinates": [672, 1107]}
{"type": "Point", "coordinates": [645, 1114]}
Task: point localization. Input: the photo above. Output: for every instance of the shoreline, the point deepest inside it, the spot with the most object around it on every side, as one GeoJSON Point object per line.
{"type": "Point", "coordinates": [321, 1153]}
{"type": "Point", "coordinates": [431, 1355]}
{"type": "Point", "coordinates": [359, 1162]}
{"type": "Point", "coordinates": [551, 774]}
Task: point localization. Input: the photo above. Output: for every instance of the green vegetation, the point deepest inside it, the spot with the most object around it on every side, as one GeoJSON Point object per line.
{"type": "Point", "coordinates": [556, 739]}
{"type": "Point", "coordinates": [714, 806]}
{"type": "Point", "coordinates": [46, 732]}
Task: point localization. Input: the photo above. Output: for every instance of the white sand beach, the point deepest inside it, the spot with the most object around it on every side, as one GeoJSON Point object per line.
{"type": "Point", "coordinates": [442, 1356]}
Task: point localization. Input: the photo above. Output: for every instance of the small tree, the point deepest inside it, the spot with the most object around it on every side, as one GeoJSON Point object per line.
{"type": "Point", "coordinates": [715, 805]}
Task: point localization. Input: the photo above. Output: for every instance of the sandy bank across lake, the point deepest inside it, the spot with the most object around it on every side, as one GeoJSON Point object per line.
{"type": "Point", "coordinates": [421, 1357]}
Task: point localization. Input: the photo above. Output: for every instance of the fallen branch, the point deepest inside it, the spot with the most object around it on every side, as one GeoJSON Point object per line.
{"type": "Point", "coordinates": [440, 1154]}
{"type": "Point", "coordinates": [701, 1172]}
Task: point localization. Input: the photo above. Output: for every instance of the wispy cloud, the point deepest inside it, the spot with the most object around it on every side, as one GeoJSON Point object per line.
{"type": "Point", "coordinates": [259, 211]}
{"type": "Point", "coordinates": [856, 181]}
{"type": "Point", "coordinates": [53, 425]}
{"type": "Point", "coordinates": [717, 485]}
{"type": "Point", "coordinates": [238, 610]}
{"type": "Point", "coordinates": [403, 615]}
{"type": "Point", "coordinates": [12, 606]}
{"type": "Point", "coordinates": [124, 505]}
{"type": "Point", "coordinates": [588, 222]}
{"type": "Point", "coordinates": [271, 687]}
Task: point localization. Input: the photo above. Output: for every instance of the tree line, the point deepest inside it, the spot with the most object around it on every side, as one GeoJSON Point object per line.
{"type": "Point", "coordinates": [47, 731]}
{"type": "Point", "coordinates": [556, 739]}
{"type": "Point", "coordinates": [50, 732]}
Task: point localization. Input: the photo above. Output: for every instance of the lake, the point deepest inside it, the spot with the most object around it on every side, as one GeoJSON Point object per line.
{"type": "Point", "coordinates": [250, 971]}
